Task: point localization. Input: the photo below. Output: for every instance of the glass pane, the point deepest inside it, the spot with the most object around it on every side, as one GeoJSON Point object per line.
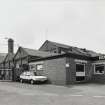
{"type": "Point", "coordinates": [79, 68]}
{"type": "Point", "coordinates": [99, 68]}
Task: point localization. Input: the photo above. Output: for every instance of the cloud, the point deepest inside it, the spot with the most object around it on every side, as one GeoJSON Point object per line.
{"type": "Point", "coordinates": [74, 22]}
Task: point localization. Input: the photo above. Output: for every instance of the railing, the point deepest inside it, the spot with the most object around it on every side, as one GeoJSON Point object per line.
{"type": "Point", "coordinates": [5, 74]}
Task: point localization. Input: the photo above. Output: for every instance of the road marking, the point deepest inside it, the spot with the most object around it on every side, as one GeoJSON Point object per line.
{"type": "Point", "coordinates": [99, 96]}
{"type": "Point", "coordinates": [76, 95]}
{"type": "Point", "coordinates": [84, 95]}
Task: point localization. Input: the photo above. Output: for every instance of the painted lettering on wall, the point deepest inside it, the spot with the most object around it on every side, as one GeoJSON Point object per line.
{"type": "Point", "coordinates": [81, 61]}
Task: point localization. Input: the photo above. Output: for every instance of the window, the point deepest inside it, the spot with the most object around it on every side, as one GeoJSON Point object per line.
{"type": "Point", "coordinates": [39, 66]}
{"type": "Point", "coordinates": [25, 66]}
{"type": "Point", "coordinates": [39, 69]}
{"type": "Point", "coordinates": [99, 69]}
{"type": "Point", "coordinates": [32, 67]}
{"type": "Point", "coordinates": [80, 68]}
{"type": "Point", "coordinates": [55, 51]}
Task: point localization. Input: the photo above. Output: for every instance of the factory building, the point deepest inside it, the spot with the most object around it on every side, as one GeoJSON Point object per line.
{"type": "Point", "coordinates": [23, 57]}
{"type": "Point", "coordinates": [7, 63]}
{"type": "Point", "coordinates": [62, 64]}
{"type": "Point", "coordinates": [75, 64]}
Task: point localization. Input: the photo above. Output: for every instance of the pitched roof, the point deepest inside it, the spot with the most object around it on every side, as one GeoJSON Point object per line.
{"type": "Point", "coordinates": [9, 57]}
{"type": "Point", "coordinates": [2, 57]}
{"type": "Point", "coordinates": [38, 53]}
{"type": "Point", "coordinates": [72, 49]}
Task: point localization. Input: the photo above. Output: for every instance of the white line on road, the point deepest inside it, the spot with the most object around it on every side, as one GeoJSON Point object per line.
{"type": "Point", "coordinates": [79, 95]}
{"type": "Point", "coordinates": [76, 95]}
{"type": "Point", "coordinates": [99, 96]}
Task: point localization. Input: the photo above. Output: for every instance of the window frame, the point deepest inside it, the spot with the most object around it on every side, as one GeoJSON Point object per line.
{"type": "Point", "coordinates": [95, 69]}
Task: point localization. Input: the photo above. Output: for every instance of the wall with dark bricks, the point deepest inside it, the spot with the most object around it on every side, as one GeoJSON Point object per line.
{"type": "Point", "coordinates": [55, 70]}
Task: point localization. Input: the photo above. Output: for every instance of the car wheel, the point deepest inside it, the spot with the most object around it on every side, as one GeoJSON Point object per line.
{"type": "Point", "coordinates": [21, 81]}
{"type": "Point", "coordinates": [32, 82]}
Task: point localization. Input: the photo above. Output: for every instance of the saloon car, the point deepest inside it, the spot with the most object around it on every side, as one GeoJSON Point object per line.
{"type": "Point", "coordinates": [32, 77]}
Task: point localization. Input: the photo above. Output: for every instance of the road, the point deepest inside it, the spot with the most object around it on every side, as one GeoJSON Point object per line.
{"type": "Point", "coordinates": [14, 93]}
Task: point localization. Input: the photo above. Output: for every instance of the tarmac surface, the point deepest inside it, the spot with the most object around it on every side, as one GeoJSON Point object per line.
{"type": "Point", "coordinates": [15, 93]}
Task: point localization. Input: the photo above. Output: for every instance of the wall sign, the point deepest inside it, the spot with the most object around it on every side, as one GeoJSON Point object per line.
{"type": "Point", "coordinates": [80, 61]}
{"type": "Point", "coordinates": [67, 65]}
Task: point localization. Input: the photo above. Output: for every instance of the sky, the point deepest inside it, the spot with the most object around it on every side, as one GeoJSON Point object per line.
{"type": "Point", "coordinates": [79, 23]}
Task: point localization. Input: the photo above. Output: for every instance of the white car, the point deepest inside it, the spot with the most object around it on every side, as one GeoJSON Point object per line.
{"type": "Point", "coordinates": [32, 77]}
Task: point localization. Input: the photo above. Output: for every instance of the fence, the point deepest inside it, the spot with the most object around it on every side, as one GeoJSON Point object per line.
{"type": "Point", "coordinates": [6, 74]}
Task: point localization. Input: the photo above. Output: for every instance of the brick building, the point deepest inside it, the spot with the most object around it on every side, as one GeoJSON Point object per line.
{"type": "Point", "coordinates": [7, 63]}
{"type": "Point", "coordinates": [22, 58]}
{"type": "Point", "coordinates": [2, 57]}
{"type": "Point", "coordinates": [62, 64]}
{"type": "Point", "coordinates": [72, 65]}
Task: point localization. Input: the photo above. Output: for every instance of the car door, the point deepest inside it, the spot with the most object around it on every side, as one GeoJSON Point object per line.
{"type": "Point", "coordinates": [23, 76]}
{"type": "Point", "coordinates": [28, 77]}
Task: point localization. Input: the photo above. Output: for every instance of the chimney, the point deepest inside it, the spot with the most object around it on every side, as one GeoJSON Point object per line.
{"type": "Point", "coordinates": [10, 45]}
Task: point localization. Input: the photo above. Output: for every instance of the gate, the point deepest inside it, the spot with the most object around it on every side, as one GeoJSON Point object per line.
{"type": "Point", "coordinates": [6, 74]}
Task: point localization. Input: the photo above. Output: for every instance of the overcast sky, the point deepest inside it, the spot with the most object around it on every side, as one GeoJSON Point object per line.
{"type": "Point", "coordinates": [79, 23]}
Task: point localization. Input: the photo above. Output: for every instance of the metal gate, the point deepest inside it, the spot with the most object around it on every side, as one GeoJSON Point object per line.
{"type": "Point", "coordinates": [6, 74]}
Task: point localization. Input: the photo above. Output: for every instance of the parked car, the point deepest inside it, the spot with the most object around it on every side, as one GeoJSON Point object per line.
{"type": "Point", "coordinates": [32, 77]}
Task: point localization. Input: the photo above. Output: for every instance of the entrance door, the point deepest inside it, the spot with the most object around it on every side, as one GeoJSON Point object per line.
{"type": "Point", "coordinates": [80, 72]}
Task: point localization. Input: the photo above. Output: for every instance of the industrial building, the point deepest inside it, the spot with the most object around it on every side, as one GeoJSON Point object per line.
{"type": "Point", "coordinates": [62, 64]}
{"type": "Point", "coordinates": [72, 64]}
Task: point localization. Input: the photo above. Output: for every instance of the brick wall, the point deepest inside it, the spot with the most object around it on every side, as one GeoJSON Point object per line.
{"type": "Point", "coordinates": [55, 70]}
{"type": "Point", "coordinates": [71, 71]}
{"type": "Point", "coordinates": [97, 78]}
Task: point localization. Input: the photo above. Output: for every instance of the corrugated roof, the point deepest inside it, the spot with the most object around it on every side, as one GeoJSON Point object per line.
{"type": "Point", "coordinates": [38, 53]}
{"type": "Point", "coordinates": [76, 50]}
{"type": "Point", "coordinates": [60, 45]}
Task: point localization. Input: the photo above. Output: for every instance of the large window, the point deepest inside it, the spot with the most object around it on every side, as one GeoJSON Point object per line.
{"type": "Point", "coordinates": [99, 69]}
{"type": "Point", "coordinates": [80, 68]}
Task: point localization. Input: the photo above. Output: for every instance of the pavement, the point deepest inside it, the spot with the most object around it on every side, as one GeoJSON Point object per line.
{"type": "Point", "coordinates": [15, 93]}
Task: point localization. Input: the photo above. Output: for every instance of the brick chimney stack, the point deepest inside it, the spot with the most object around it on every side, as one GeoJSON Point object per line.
{"type": "Point", "coordinates": [10, 45]}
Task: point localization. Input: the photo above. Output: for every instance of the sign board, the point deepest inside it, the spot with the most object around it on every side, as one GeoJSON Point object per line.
{"type": "Point", "coordinates": [80, 61]}
{"type": "Point", "coordinates": [80, 73]}
{"type": "Point", "coordinates": [67, 65]}
{"type": "Point", "coordinates": [39, 67]}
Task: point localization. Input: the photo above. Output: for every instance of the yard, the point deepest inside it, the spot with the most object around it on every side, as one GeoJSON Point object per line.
{"type": "Point", "coordinates": [14, 93]}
